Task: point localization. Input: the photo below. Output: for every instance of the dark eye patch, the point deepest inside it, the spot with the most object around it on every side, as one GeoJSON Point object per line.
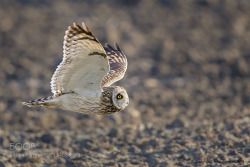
{"type": "Point", "coordinates": [119, 96]}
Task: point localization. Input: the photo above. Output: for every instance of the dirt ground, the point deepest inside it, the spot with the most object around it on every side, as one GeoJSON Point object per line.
{"type": "Point", "coordinates": [188, 80]}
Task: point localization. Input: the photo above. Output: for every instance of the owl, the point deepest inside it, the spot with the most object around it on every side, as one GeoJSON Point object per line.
{"type": "Point", "coordinates": [81, 82]}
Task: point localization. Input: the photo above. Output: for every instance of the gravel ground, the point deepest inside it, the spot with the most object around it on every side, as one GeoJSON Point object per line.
{"type": "Point", "coordinates": [188, 80]}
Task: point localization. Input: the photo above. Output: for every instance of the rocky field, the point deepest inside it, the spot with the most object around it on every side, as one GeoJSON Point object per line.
{"type": "Point", "coordinates": [188, 80]}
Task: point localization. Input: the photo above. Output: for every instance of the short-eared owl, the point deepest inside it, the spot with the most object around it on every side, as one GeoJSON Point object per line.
{"type": "Point", "coordinates": [82, 80]}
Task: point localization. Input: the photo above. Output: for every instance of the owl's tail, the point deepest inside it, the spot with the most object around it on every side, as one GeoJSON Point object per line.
{"type": "Point", "coordinates": [49, 102]}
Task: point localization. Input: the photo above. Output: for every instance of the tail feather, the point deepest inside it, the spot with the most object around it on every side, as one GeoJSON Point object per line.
{"type": "Point", "coordinates": [49, 102]}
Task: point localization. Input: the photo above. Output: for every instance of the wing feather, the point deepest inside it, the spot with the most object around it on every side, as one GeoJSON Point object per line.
{"type": "Point", "coordinates": [118, 65]}
{"type": "Point", "coordinates": [84, 63]}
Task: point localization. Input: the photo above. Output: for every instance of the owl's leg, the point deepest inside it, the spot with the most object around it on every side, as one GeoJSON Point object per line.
{"type": "Point", "coordinates": [48, 102]}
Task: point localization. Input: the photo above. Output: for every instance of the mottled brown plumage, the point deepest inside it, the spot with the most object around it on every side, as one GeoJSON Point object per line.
{"type": "Point", "coordinates": [81, 82]}
{"type": "Point", "coordinates": [107, 104]}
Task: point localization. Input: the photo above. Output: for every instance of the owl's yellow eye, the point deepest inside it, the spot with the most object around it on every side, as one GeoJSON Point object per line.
{"type": "Point", "coordinates": [119, 96]}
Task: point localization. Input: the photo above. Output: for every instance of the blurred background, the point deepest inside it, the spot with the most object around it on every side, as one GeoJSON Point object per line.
{"type": "Point", "coordinates": [188, 80]}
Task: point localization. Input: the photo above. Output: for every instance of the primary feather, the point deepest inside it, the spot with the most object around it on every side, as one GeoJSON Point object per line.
{"type": "Point", "coordinates": [83, 58]}
{"type": "Point", "coordinates": [118, 65]}
{"type": "Point", "coordinates": [81, 82]}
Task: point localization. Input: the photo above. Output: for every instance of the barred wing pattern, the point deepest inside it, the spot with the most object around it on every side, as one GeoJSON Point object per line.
{"type": "Point", "coordinates": [84, 64]}
{"type": "Point", "coordinates": [117, 63]}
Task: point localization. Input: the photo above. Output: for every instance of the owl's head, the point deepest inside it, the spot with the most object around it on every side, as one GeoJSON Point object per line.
{"type": "Point", "coordinates": [120, 97]}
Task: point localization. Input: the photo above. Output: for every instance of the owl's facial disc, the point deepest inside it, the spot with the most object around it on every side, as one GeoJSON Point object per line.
{"type": "Point", "coordinates": [120, 98]}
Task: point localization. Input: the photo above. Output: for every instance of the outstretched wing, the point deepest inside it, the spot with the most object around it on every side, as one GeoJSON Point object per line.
{"type": "Point", "coordinates": [84, 64]}
{"type": "Point", "coordinates": [117, 63]}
